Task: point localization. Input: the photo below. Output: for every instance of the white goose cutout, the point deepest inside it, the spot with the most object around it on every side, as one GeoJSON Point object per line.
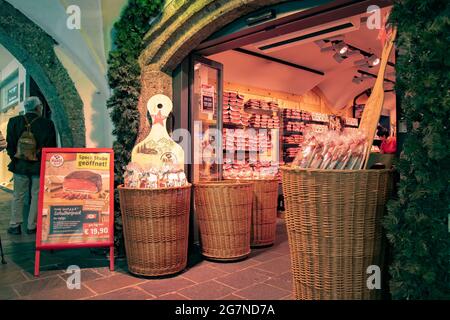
{"type": "Point", "coordinates": [158, 150]}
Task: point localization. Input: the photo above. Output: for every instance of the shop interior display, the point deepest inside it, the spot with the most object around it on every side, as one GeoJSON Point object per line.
{"type": "Point", "coordinates": [296, 93]}
{"type": "Point", "coordinates": [250, 128]}
{"type": "Point", "coordinates": [297, 122]}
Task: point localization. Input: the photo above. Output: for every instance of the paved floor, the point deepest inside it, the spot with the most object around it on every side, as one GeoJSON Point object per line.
{"type": "Point", "coordinates": [264, 275]}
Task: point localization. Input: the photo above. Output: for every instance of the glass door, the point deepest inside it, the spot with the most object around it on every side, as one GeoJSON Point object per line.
{"type": "Point", "coordinates": [206, 85]}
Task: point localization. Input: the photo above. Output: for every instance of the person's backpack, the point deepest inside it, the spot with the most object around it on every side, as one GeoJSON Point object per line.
{"type": "Point", "coordinates": [27, 146]}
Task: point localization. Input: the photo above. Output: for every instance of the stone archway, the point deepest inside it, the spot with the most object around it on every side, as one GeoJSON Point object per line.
{"type": "Point", "coordinates": [34, 49]}
{"type": "Point", "coordinates": [182, 26]}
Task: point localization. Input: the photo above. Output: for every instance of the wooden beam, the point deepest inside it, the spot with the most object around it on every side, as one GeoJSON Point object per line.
{"type": "Point", "coordinates": [280, 61]}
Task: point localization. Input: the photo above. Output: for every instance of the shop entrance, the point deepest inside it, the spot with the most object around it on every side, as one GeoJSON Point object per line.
{"type": "Point", "coordinates": [281, 71]}
{"type": "Point", "coordinates": [284, 83]}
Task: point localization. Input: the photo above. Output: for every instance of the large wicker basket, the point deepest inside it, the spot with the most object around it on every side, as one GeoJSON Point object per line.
{"type": "Point", "coordinates": [264, 213]}
{"type": "Point", "coordinates": [334, 227]}
{"type": "Point", "coordinates": [156, 227]}
{"type": "Point", "coordinates": [224, 210]}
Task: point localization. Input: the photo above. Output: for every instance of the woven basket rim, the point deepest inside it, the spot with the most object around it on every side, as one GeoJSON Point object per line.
{"type": "Point", "coordinates": [188, 185]}
{"type": "Point", "coordinates": [223, 183]}
{"type": "Point", "coordinates": [253, 180]}
{"type": "Point", "coordinates": [286, 168]}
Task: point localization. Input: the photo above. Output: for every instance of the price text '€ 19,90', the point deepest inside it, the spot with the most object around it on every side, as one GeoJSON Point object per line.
{"type": "Point", "coordinates": [95, 230]}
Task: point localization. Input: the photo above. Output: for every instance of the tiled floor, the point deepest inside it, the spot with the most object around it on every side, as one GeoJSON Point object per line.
{"type": "Point", "coordinates": [264, 275]}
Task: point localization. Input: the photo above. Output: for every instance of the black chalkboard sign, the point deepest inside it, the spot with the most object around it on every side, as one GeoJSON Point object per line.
{"type": "Point", "coordinates": [70, 219]}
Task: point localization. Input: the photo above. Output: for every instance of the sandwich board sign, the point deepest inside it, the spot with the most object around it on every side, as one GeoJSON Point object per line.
{"type": "Point", "coordinates": [76, 201]}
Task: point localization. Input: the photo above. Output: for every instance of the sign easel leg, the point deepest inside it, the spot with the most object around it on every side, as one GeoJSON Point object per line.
{"type": "Point", "coordinates": [111, 258]}
{"type": "Point", "coordinates": [37, 262]}
{"type": "Point", "coordinates": [1, 252]}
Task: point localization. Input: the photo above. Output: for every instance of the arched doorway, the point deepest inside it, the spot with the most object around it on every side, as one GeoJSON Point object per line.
{"type": "Point", "coordinates": [214, 26]}
{"type": "Point", "coordinates": [174, 36]}
{"type": "Point", "coordinates": [34, 49]}
{"type": "Point", "coordinates": [15, 86]}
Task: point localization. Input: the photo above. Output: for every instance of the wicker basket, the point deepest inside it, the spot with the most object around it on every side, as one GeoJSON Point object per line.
{"type": "Point", "coordinates": [156, 227]}
{"type": "Point", "coordinates": [264, 213]}
{"type": "Point", "coordinates": [223, 212]}
{"type": "Point", "coordinates": [334, 227]}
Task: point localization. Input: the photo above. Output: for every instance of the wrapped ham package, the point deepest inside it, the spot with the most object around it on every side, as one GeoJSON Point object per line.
{"type": "Point", "coordinates": [138, 177]}
{"type": "Point", "coordinates": [332, 150]}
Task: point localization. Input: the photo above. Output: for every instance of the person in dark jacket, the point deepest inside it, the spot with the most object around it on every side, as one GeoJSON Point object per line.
{"type": "Point", "coordinates": [26, 173]}
{"type": "Point", "coordinates": [2, 142]}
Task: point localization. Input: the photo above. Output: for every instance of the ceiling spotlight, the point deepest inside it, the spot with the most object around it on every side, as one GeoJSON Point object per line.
{"type": "Point", "coordinates": [374, 60]}
{"type": "Point", "coordinates": [339, 57]}
{"type": "Point", "coordinates": [341, 47]}
{"type": "Point", "coordinates": [324, 42]}
{"type": "Point", "coordinates": [357, 80]}
{"type": "Point", "coordinates": [360, 78]}
{"type": "Point", "coordinates": [368, 62]}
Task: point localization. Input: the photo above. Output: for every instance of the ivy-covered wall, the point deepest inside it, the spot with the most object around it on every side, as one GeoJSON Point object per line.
{"type": "Point", "coordinates": [417, 223]}
{"type": "Point", "coordinates": [34, 49]}
{"type": "Point", "coordinates": [125, 80]}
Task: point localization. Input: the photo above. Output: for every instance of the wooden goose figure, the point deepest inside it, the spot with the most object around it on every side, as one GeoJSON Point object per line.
{"type": "Point", "coordinates": [158, 150]}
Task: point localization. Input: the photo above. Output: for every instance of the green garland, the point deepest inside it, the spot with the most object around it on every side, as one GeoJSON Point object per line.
{"type": "Point", "coordinates": [417, 223]}
{"type": "Point", "coordinates": [124, 79]}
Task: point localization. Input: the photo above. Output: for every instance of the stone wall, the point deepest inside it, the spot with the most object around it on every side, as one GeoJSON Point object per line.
{"type": "Point", "coordinates": [34, 49]}
{"type": "Point", "coordinates": [182, 26]}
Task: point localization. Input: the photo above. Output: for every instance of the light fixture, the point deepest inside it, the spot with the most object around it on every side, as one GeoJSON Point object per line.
{"type": "Point", "coordinates": [360, 78]}
{"type": "Point", "coordinates": [339, 57]}
{"type": "Point", "coordinates": [374, 60]}
{"type": "Point", "coordinates": [337, 44]}
{"type": "Point", "coordinates": [341, 47]}
{"type": "Point", "coordinates": [265, 16]}
{"type": "Point", "coordinates": [368, 62]}
{"type": "Point", "coordinates": [357, 80]}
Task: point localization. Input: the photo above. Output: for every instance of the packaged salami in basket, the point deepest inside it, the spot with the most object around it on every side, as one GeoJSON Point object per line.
{"type": "Point", "coordinates": [140, 177]}
{"type": "Point", "coordinates": [332, 150]}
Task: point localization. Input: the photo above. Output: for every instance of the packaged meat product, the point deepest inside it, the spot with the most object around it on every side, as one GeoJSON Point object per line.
{"type": "Point", "coordinates": [332, 150]}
